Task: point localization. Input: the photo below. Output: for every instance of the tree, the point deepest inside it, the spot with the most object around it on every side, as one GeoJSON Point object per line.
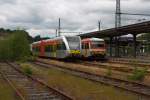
{"type": "Point", "coordinates": [15, 47]}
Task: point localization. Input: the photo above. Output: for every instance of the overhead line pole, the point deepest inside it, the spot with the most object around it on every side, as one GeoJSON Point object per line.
{"type": "Point", "coordinates": [117, 25]}
{"type": "Point", "coordinates": [59, 27]}
{"type": "Point", "coordinates": [56, 33]}
{"type": "Point", "coordinates": [118, 14]}
{"type": "Point", "coordinates": [99, 25]}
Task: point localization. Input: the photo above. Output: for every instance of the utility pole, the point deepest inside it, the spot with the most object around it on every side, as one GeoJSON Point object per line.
{"type": "Point", "coordinates": [118, 14]}
{"type": "Point", "coordinates": [117, 25]}
{"type": "Point", "coordinates": [99, 25]}
{"type": "Point", "coordinates": [59, 27]}
{"type": "Point", "coordinates": [56, 33]}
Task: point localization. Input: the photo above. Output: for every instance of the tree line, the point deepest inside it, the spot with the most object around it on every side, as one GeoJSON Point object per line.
{"type": "Point", "coordinates": [15, 46]}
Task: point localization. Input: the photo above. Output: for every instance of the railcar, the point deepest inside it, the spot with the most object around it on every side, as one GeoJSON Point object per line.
{"type": "Point", "coordinates": [93, 48]}
{"type": "Point", "coordinates": [59, 47]}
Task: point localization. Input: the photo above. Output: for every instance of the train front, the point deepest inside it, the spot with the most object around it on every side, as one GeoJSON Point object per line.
{"type": "Point", "coordinates": [74, 45]}
{"type": "Point", "coordinates": [98, 49]}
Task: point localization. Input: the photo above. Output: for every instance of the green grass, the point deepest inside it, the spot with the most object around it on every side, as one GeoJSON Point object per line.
{"type": "Point", "coordinates": [81, 88]}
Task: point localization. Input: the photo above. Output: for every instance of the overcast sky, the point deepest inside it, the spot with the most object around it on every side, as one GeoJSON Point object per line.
{"type": "Point", "coordinates": [41, 16]}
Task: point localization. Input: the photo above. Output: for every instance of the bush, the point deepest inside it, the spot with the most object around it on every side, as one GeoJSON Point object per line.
{"type": "Point", "coordinates": [27, 69]}
{"type": "Point", "coordinates": [15, 47]}
{"type": "Point", "coordinates": [138, 74]}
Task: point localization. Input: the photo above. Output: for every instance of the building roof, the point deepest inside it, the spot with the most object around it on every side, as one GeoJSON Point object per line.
{"type": "Point", "coordinates": [138, 28]}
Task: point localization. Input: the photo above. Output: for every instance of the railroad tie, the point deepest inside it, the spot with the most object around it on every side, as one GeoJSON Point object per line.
{"type": "Point", "coordinates": [41, 96]}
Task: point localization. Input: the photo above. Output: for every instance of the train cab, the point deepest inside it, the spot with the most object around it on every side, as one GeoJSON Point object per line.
{"type": "Point", "coordinates": [93, 48]}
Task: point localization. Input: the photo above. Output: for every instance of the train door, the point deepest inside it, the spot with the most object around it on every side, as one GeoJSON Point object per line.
{"type": "Point", "coordinates": [42, 50]}
{"type": "Point", "coordinates": [58, 50]}
{"type": "Point", "coordinates": [36, 50]}
{"type": "Point", "coordinates": [61, 50]}
{"type": "Point", "coordinates": [54, 49]}
{"type": "Point", "coordinates": [47, 50]}
{"type": "Point", "coordinates": [85, 49]}
{"type": "Point", "coordinates": [51, 50]}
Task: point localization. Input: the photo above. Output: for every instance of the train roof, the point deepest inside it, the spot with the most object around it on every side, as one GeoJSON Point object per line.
{"type": "Point", "coordinates": [93, 39]}
{"type": "Point", "coordinates": [56, 38]}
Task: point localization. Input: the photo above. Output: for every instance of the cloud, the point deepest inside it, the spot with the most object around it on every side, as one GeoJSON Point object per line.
{"type": "Point", "coordinates": [7, 1]}
{"type": "Point", "coordinates": [41, 16]}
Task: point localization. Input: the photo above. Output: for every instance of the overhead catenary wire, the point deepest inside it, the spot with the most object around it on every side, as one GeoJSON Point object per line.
{"type": "Point", "coordinates": [135, 14]}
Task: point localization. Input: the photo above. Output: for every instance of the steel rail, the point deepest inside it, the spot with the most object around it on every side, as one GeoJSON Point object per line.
{"type": "Point", "coordinates": [130, 62]}
{"type": "Point", "coordinates": [126, 68]}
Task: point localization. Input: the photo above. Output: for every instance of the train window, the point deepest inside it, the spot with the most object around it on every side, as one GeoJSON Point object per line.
{"type": "Point", "coordinates": [33, 49]}
{"type": "Point", "coordinates": [54, 48]}
{"type": "Point", "coordinates": [82, 45]}
{"type": "Point", "coordinates": [58, 46]}
{"type": "Point", "coordinates": [36, 49]}
{"type": "Point", "coordinates": [87, 46]}
{"type": "Point", "coordinates": [47, 48]}
{"type": "Point", "coordinates": [61, 46]}
{"type": "Point", "coordinates": [97, 44]}
{"type": "Point", "coordinates": [51, 48]}
{"type": "Point", "coordinates": [73, 43]}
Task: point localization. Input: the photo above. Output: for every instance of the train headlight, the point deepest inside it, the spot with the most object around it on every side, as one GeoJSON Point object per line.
{"type": "Point", "coordinates": [74, 51]}
{"type": "Point", "coordinates": [98, 53]}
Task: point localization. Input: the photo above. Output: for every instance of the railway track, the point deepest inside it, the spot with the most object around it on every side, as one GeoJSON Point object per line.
{"type": "Point", "coordinates": [138, 88]}
{"type": "Point", "coordinates": [127, 68]}
{"type": "Point", "coordinates": [135, 62]}
{"type": "Point", "coordinates": [15, 93]}
{"type": "Point", "coordinates": [121, 67]}
{"type": "Point", "coordinates": [27, 87]}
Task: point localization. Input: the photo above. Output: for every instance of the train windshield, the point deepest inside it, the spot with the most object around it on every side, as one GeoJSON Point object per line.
{"type": "Point", "coordinates": [97, 44]}
{"type": "Point", "coordinates": [74, 43]}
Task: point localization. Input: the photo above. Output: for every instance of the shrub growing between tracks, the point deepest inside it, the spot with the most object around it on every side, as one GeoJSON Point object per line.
{"type": "Point", "coordinates": [27, 69]}
{"type": "Point", "coordinates": [138, 74]}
